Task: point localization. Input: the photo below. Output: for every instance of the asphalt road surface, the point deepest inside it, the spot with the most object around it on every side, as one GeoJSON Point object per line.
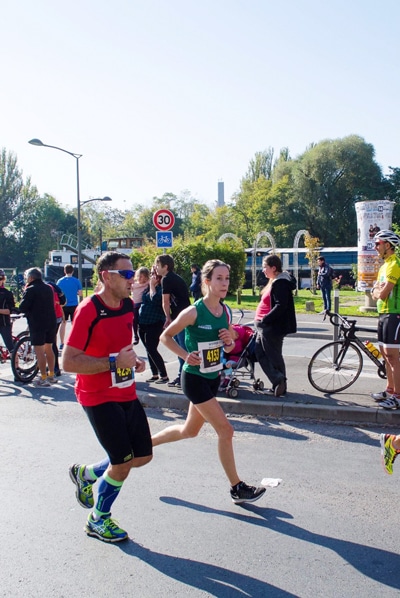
{"type": "Point", "coordinates": [330, 529]}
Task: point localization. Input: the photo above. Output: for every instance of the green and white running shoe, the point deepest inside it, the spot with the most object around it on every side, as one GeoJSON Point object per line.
{"type": "Point", "coordinates": [105, 529]}
{"type": "Point", "coordinates": [84, 489]}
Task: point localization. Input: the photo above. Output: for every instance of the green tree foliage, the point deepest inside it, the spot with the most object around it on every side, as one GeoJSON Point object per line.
{"type": "Point", "coordinates": [327, 180]}
{"type": "Point", "coordinates": [197, 252]}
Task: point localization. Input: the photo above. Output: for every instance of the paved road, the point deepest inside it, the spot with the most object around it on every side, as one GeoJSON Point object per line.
{"type": "Point", "coordinates": [330, 529]}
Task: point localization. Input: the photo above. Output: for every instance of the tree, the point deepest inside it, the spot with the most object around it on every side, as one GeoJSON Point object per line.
{"type": "Point", "coordinates": [327, 181]}
{"type": "Point", "coordinates": [260, 165]}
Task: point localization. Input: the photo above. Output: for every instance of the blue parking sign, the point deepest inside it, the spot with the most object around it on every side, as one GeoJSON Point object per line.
{"type": "Point", "coordinates": [164, 239]}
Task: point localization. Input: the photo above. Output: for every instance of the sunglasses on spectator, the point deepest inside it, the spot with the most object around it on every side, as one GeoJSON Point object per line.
{"type": "Point", "coordinates": [128, 274]}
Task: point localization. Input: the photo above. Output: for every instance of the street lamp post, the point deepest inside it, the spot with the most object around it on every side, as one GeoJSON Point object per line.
{"type": "Point", "coordinates": [78, 200]}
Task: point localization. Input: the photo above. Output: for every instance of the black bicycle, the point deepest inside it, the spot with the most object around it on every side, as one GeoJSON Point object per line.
{"type": "Point", "coordinates": [338, 364]}
{"type": "Point", "coordinates": [23, 360]}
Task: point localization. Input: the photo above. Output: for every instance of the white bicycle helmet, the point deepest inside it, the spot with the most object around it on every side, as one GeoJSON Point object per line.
{"type": "Point", "coordinates": [388, 236]}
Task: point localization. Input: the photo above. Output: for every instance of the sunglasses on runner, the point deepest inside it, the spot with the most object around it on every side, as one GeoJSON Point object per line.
{"type": "Point", "coordinates": [128, 274]}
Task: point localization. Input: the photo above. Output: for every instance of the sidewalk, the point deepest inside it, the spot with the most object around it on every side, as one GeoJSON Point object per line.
{"type": "Point", "coordinates": [353, 405]}
{"type": "Point", "coordinates": [302, 400]}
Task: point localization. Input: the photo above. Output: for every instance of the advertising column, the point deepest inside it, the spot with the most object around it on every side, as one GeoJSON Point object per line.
{"type": "Point", "coordinates": [372, 216]}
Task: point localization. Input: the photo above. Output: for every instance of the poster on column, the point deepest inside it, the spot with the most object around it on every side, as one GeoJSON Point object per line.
{"type": "Point", "coordinates": [372, 216]}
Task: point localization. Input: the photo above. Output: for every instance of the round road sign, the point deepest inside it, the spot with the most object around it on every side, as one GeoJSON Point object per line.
{"type": "Point", "coordinates": [163, 219]}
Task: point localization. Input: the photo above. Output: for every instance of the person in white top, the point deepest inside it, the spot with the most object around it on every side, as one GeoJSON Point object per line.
{"type": "Point", "coordinates": [139, 285]}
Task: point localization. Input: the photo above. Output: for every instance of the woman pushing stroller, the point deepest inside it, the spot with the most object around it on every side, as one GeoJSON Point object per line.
{"type": "Point", "coordinates": [275, 318]}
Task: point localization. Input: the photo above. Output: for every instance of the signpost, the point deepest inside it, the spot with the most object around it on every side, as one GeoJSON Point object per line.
{"type": "Point", "coordinates": [164, 240]}
{"type": "Point", "coordinates": [163, 219]}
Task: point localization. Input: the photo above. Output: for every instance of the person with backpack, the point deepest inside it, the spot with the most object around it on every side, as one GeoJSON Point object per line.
{"type": "Point", "coordinates": [99, 350]}
{"type": "Point", "coordinates": [324, 282]}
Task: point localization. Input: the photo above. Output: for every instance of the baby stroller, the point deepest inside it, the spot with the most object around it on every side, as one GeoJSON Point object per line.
{"type": "Point", "coordinates": [240, 362]}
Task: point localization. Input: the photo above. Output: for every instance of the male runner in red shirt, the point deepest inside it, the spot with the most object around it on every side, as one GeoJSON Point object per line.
{"type": "Point", "coordinates": [99, 350]}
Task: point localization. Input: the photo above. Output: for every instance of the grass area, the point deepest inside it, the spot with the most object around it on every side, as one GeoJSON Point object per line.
{"type": "Point", "coordinates": [349, 302]}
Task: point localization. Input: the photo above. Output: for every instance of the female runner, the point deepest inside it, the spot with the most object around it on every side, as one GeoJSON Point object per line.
{"type": "Point", "coordinates": [207, 334]}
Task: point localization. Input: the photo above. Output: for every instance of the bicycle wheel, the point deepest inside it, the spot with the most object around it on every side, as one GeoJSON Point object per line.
{"type": "Point", "coordinates": [335, 367]}
{"type": "Point", "coordinates": [23, 360]}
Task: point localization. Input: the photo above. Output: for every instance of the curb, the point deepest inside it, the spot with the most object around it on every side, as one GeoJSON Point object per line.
{"type": "Point", "coordinates": [281, 409]}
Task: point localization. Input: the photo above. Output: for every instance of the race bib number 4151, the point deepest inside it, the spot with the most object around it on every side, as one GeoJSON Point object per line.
{"type": "Point", "coordinates": [211, 356]}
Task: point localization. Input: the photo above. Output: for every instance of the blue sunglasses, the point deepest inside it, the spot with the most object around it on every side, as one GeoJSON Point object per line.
{"type": "Point", "coordinates": [128, 274]}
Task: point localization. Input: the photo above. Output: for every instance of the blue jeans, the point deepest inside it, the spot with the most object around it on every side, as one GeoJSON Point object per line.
{"type": "Point", "coordinates": [180, 339]}
{"type": "Point", "coordinates": [326, 296]}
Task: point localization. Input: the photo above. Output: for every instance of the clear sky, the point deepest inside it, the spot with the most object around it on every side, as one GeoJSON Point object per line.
{"type": "Point", "coordinates": [166, 95]}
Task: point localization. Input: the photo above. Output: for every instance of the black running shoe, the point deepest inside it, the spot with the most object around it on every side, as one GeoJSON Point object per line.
{"type": "Point", "coordinates": [175, 383]}
{"type": "Point", "coordinates": [244, 493]}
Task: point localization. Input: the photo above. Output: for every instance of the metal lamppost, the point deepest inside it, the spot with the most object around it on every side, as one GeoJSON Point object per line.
{"type": "Point", "coordinates": [78, 201]}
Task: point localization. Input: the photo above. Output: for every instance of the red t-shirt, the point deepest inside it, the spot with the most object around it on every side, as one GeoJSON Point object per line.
{"type": "Point", "coordinates": [264, 307]}
{"type": "Point", "coordinates": [110, 334]}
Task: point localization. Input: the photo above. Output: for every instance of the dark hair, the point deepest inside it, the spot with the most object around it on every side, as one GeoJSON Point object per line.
{"type": "Point", "coordinates": [273, 260]}
{"type": "Point", "coordinates": [195, 266]}
{"type": "Point", "coordinates": [108, 260]}
{"type": "Point", "coordinates": [166, 260]}
{"type": "Point", "coordinates": [69, 269]}
{"type": "Point", "coordinates": [34, 273]}
{"type": "Point", "coordinates": [320, 258]}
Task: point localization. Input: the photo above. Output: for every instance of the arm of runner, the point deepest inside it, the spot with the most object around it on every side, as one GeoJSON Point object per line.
{"type": "Point", "coordinates": [186, 318]}
{"type": "Point", "coordinates": [227, 337]}
{"type": "Point", "coordinates": [77, 362]}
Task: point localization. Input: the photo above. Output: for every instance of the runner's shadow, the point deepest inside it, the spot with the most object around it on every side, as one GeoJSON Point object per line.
{"type": "Point", "coordinates": [211, 579]}
{"type": "Point", "coordinates": [381, 565]}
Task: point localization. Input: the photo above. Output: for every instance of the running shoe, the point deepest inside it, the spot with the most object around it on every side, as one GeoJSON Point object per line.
{"type": "Point", "coordinates": [381, 396]}
{"type": "Point", "coordinates": [162, 380]}
{"type": "Point", "coordinates": [105, 529]}
{"type": "Point", "coordinates": [175, 383]}
{"type": "Point", "coordinates": [244, 493]}
{"type": "Point", "coordinates": [84, 489]}
{"type": "Point", "coordinates": [390, 403]}
{"type": "Point", "coordinates": [388, 452]}
{"type": "Point", "coordinates": [52, 380]}
{"type": "Point", "coordinates": [41, 382]}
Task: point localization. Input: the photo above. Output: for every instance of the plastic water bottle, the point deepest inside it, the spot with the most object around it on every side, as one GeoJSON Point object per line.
{"type": "Point", "coordinates": [372, 349]}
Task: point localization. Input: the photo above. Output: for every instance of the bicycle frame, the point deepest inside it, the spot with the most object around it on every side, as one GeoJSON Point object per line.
{"type": "Point", "coordinates": [347, 335]}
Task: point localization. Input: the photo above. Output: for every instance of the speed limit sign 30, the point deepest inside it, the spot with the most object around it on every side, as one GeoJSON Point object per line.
{"type": "Point", "coordinates": [163, 219]}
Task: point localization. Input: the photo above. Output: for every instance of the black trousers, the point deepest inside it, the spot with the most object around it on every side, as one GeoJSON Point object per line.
{"type": "Point", "coordinates": [268, 350]}
{"type": "Point", "coordinates": [150, 337]}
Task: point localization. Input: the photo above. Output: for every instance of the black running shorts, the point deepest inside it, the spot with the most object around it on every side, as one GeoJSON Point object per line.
{"type": "Point", "coordinates": [122, 430]}
{"type": "Point", "coordinates": [199, 389]}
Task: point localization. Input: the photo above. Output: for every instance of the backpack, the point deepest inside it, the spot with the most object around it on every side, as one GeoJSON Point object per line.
{"type": "Point", "coordinates": [102, 311]}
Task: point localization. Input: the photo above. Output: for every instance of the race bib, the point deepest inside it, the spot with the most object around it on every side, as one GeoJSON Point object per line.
{"type": "Point", "coordinates": [122, 377]}
{"type": "Point", "coordinates": [211, 356]}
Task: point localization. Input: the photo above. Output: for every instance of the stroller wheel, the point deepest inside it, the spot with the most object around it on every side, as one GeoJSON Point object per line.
{"type": "Point", "coordinates": [258, 384]}
{"type": "Point", "coordinates": [235, 383]}
{"type": "Point", "coordinates": [233, 393]}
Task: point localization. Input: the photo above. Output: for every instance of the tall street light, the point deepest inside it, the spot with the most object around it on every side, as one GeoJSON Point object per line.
{"type": "Point", "coordinates": [78, 200]}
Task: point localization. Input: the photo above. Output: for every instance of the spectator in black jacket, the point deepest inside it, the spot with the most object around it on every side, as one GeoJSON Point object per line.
{"type": "Point", "coordinates": [7, 306]}
{"type": "Point", "coordinates": [38, 306]}
{"type": "Point", "coordinates": [275, 318]}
